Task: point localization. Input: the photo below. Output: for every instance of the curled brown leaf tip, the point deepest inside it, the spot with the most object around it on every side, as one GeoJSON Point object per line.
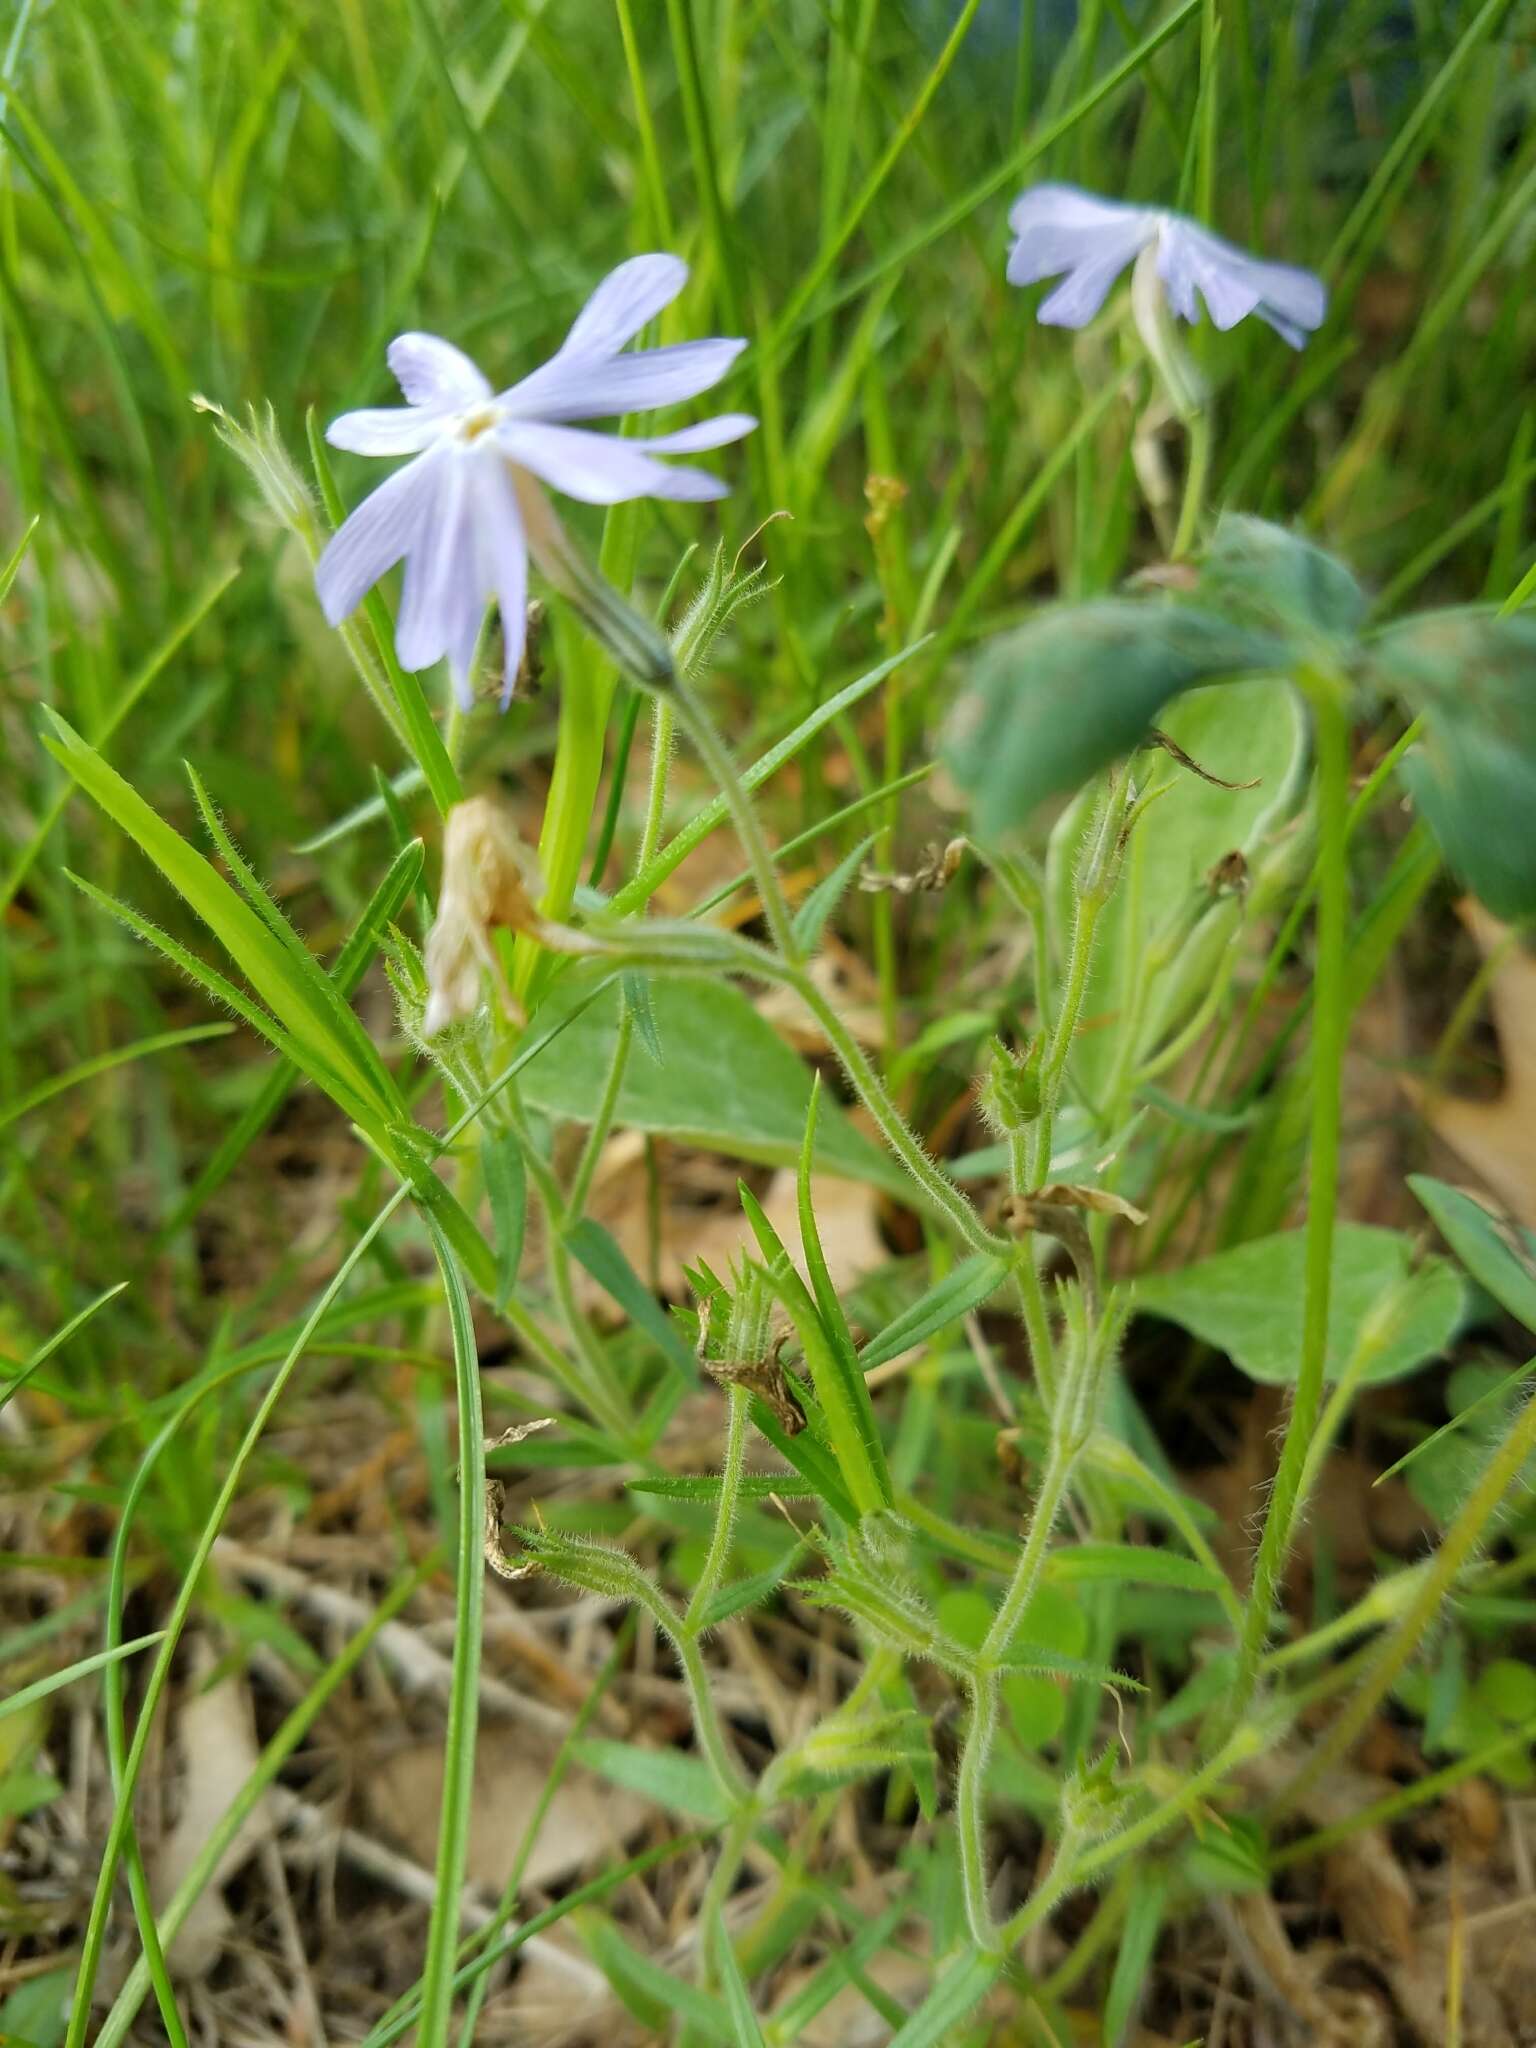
{"type": "Point", "coordinates": [1158, 738]}
{"type": "Point", "coordinates": [936, 870]}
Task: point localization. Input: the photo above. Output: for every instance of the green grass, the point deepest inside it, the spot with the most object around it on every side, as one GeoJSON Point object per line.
{"type": "Point", "coordinates": [248, 203]}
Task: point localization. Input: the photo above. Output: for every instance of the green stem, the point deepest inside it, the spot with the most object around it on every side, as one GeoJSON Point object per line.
{"type": "Point", "coordinates": [1462, 1538]}
{"type": "Point", "coordinates": [686, 948]}
{"type": "Point", "coordinates": [971, 1809]}
{"type": "Point", "coordinates": [725, 1516]}
{"type": "Point", "coordinates": [871, 1090]}
{"type": "Point", "coordinates": [602, 1123]}
{"type": "Point", "coordinates": [970, 1784]}
{"type": "Point", "coordinates": [1196, 479]}
{"type": "Point", "coordinates": [713, 753]}
{"type": "Point", "coordinates": [1330, 1027]}
{"type": "Point", "coordinates": [718, 1889]}
{"type": "Point", "coordinates": [713, 1747]}
{"type": "Point", "coordinates": [1070, 1870]}
{"type": "Point", "coordinates": [1383, 1812]}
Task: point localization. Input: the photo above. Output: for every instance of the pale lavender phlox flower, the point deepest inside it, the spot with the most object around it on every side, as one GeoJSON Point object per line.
{"type": "Point", "coordinates": [465, 513]}
{"type": "Point", "coordinates": [1087, 242]}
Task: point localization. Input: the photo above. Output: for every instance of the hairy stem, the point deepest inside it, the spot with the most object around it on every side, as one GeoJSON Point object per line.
{"type": "Point", "coordinates": [725, 1517]}
{"type": "Point", "coordinates": [970, 1785]}
{"type": "Point", "coordinates": [716, 758]}
{"type": "Point", "coordinates": [713, 1746]}
{"type": "Point", "coordinates": [602, 1123]}
{"type": "Point", "coordinates": [1465, 1534]}
{"type": "Point", "coordinates": [1330, 1026]}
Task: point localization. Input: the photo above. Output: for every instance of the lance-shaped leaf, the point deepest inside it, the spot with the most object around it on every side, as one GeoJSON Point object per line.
{"type": "Point", "coordinates": [1050, 703]}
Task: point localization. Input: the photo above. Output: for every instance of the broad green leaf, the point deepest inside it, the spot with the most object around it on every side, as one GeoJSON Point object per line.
{"type": "Point", "coordinates": [1053, 1625]}
{"type": "Point", "coordinates": [1164, 932]}
{"type": "Point", "coordinates": [726, 1082]}
{"type": "Point", "coordinates": [972, 1282]}
{"type": "Point", "coordinates": [669, 1777]}
{"type": "Point", "coordinates": [1248, 1303]}
{"type": "Point", "coordinates": [36, 2014]}
{"type": "Point", "coordinates": [1055, 700]}
{"type": "Point", "coordinates": [1266, 576]}
{"type": "Point", "coordinates": [1471, 677]}
{"type": "Point", "coordinates": [1500, 1256]}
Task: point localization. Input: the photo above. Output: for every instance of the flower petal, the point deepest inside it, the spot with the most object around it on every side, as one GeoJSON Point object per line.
{"type": "Point", "coordinates": [622, 304]}
{"type": "Point", "coordinates": [591, 389]}
{"type": "Point", "coordinates": [504, 564]}
{"type": "Point", "coordinates": [1083, 291]}
{"type": "Point", "coordinates": [1066, 210]}
{"type": "Point", "coordinates": [1235, 284]}
{"type": "Point", "coordinates": [387, 430]}
{"type": "Point", "coordinates": [368, 544]}
{"type": "Point", "coordinates": [431, 371]}
{"type": "Point", "coordinates": [600, 469]}
{"type": "Point", "coordinates": [711, 433]}
{"type": "Point", "coordinates": [441, 601]}
{"type": "Point", "coordinates": [1062, 230]}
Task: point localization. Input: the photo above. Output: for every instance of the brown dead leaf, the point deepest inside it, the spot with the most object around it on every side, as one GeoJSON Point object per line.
{"type": "Point", "coordinates": [1292, 1980]}
{"type": "Point", "coordinates": [588, 1822]}
{"type": "Point", "coordinates": [1498, 1139]}
{"type": "Point", "coordinates": [1474, 1819]}
{"type": "Point", "coordinates": [217, 1741]}
{"type": "Point", "coordinates": [1369, 1890]}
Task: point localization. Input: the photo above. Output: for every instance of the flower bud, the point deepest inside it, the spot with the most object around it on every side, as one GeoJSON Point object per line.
{"type": "Point", "coordinates": [273, 470]}
{"type": "Point", "coordinates": [1093, 1805]}
{"type": "Point", "coordinates": [1010, 1091]}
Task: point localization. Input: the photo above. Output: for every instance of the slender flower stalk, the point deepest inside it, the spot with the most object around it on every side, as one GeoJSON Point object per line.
{"type": "Point", "coordinates": [1331, 1008]}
